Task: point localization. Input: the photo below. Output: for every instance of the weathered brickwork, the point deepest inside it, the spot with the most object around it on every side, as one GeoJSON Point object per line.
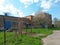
{"type": "Point", "coordinates": [17, 23]}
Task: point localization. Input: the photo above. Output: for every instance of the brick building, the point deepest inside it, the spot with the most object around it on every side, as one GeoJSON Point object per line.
{"type": "Point", "coordinates": [13, 22]}
{"type": "Point", "coordinates": [10, 22]}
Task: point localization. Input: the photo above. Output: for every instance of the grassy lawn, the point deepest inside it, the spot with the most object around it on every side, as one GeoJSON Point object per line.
{"type": "Point", "coordinates": [11, 39]}
{"type": "Point", "coordinates": [54, 28]}
{"type": "Point", "coordinates": [39, 30]}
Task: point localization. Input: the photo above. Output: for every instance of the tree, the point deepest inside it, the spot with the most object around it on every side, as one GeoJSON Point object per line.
{"type": "Point", "coordinates": [56, 22]}
{"type": "Point", "coordinates": [42, 18]}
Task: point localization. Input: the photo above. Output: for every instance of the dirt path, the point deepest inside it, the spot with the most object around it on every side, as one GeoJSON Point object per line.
{"type": "Point", "coordinates": [53, 39]}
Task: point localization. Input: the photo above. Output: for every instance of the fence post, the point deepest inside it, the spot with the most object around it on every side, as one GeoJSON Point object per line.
{"type": "Point", "coordinates": [4, 31]}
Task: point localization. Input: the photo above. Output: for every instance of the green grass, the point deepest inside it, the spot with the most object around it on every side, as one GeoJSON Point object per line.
{"type": "Point", "coordinates": [11, 39]}
{"type": "Point", "coordinates": [54, 28]}
{"type": "Point", "coordinates": [40, 30]}
{"type": "Point", "coordinates": [1, 38]}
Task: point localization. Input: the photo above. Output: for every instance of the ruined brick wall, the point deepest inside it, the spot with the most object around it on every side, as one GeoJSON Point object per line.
{"type": "Point", "coordinates": [1, 23]}
{"type": "Point", "coordinates": [30, 19]}
{"type": "Point", "coordinates": [13, 20]}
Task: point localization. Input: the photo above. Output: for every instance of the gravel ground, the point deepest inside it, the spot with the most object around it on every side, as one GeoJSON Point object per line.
{"type": "Point", "coordinates": [53, 39]}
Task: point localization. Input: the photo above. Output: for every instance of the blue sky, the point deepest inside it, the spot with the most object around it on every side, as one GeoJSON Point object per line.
{"type": "Point", "coordinates": [21, 8]}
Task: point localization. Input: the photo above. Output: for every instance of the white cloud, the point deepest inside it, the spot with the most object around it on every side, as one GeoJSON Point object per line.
{"type": "Point", "coordinates": [26, 6]}
{"type": "Point", "coordinates": [46, 4]}
{"type": "Point", "coordinates": [1, 4]}
{"type": "Point", "coordinates": [11, 9]}
{"type": "Point", "coordinates": [45, 10]}
{"type": "Point", "coordinates": [20, 14]}
{"type": "Point", "coordinates": [36, 1]}
{"type": "Point", "coordinates": [28, 2]}
{"type": "Point", "coordinates": [33, 13]}
{"type": "Point", "coordinates": [56, 1]}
